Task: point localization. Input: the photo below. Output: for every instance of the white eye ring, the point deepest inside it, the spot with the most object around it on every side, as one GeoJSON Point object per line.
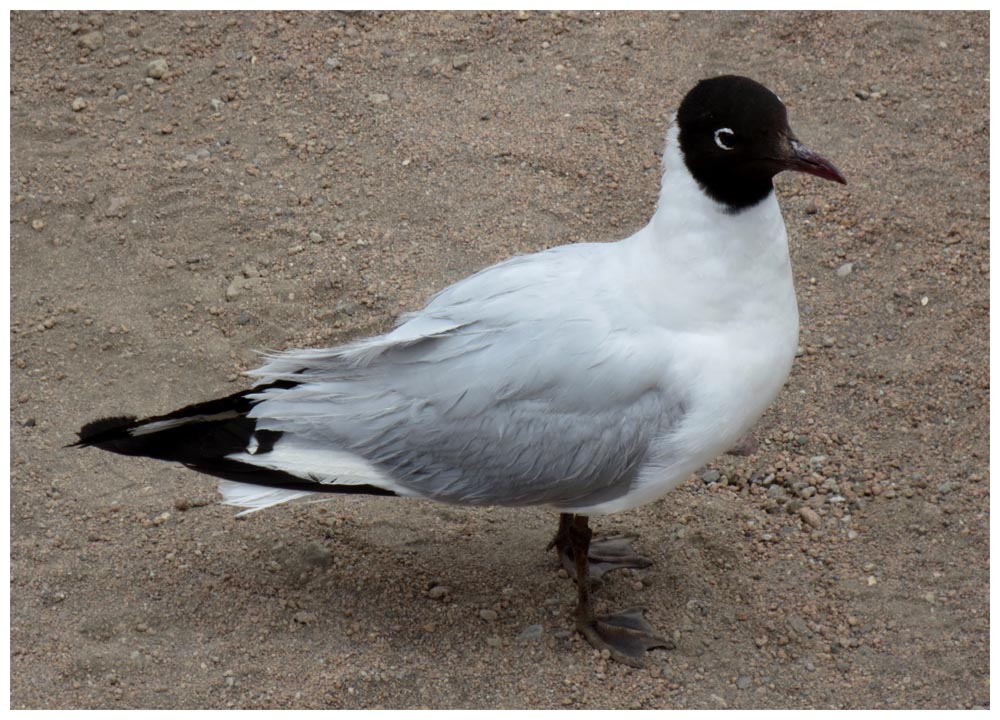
{"type": "Point", "coordinates": [718, 138]}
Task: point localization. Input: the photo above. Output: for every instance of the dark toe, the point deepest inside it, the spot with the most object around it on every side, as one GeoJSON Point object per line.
{"type": "Point", "coordinates": [627, 636]}
{"type": "Point", "coordinates": [614, 553]}
{"type": "Point", "coordinates": [606, 554]}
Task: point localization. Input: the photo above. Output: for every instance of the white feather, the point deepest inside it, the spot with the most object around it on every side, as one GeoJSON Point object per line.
{"type": "Point", "coordinates": [322, 465]}
{"type": "Point", "coordinates": [161, 425]}
{"type": "Point", "coordinates": [255, 497]}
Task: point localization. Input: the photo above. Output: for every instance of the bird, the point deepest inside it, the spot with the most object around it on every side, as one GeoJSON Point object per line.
{"type": "Point", "coordinates": [590, 378]}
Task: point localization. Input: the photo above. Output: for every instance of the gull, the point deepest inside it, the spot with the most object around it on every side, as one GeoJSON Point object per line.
{"type": "Point", "coordinates": [590, 378]}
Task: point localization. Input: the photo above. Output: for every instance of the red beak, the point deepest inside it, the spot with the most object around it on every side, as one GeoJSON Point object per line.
{"type": "Point", "coordinates": [805, 160]}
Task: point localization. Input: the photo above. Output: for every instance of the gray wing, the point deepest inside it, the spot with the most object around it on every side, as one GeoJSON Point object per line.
{"type": "Point", "coordinates": [489, 396]}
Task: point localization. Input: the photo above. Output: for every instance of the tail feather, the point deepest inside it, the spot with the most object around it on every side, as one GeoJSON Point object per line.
{"type": "Point", "coordinates": [204, 437]}
{"type": "Point", "coordinates": [197, 432]}
{"type": "Point", "coordinates": [103, 429]}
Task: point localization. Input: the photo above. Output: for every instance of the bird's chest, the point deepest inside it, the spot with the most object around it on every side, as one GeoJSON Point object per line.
{"type": "Point", "coordinates": [731, 377]}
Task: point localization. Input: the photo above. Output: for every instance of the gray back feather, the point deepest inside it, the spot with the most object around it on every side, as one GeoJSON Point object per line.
{"type": "Point", "coordinates": [489, 395]}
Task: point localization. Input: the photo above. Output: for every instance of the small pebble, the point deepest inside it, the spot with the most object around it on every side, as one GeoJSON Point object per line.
{"type": "Point", "coordinates": [460, 62]}
{"type": "Point", "coordinates": [91, 41]}
{"type": "Point", "coordinates": [79, 104]}
{"type": "Point", "coordinates": [116, 207]}
{"type": "Point", "coordinates": [810, 517]}
{"type": "Point", "coordinates": [532, 632]}
{"type": "Point", "coordinates": [798, 625]}
{"type": "Point", "coordinates": [332, 63]}
{"type": "Point", "coordinates": [488, 615]}
{"type": "Point", "coordinates": [438, 592]}
{"type": "Point", "coordinates": [845, 269]}
{"type": "Point", "coordinates": [38, 225]}
{"type": "Point", "coordinates": [156, 69]}
{"type": "Point", "coordinates": [235, 288]}
{"type": "Point", "coordinates": [317, 555]}
{"type": "Point", "coordinates": [743, 682]}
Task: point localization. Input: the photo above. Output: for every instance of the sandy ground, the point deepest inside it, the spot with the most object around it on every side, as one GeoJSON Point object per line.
{"type": "Point", "coordinates": [299, 180]}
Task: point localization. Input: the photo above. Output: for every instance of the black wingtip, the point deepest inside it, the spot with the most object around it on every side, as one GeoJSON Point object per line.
{"type": "Point", "coordinates": [103, 429]}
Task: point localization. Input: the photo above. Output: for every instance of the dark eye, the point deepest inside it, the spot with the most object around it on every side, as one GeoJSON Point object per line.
{"type": "Point", "coordinates": [724, 138]}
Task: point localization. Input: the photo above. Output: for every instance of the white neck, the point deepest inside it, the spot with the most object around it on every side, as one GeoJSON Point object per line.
{"type": "Point", "coordinates": [683, 201]}
{"type": "Point", "coordinates": [733, 263]}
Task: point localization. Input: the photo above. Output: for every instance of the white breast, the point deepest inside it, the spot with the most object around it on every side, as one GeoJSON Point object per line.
{"type": "Point", "coordinates": [720, 287]}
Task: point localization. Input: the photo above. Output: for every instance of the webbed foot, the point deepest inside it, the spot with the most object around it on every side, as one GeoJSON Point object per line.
{"type": "Point", "coordinates": [626, 635]}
